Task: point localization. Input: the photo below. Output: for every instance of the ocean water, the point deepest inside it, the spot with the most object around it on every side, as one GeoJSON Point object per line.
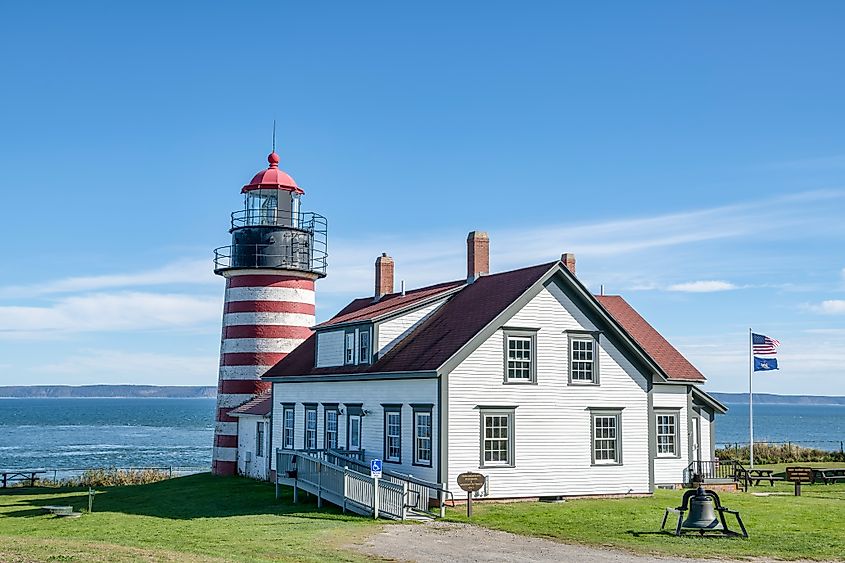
{"type": "Point", "coordinates": [87, 433]}
{"type": "Point", "coordinates": [817, 426]}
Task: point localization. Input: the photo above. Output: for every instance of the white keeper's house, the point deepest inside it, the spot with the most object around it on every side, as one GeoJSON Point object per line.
{"type": "Point", "coordinates": [524, 376]}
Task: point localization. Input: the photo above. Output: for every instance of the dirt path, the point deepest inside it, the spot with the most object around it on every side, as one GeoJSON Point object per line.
{"type": "Point", "coordinates": [442, 541]}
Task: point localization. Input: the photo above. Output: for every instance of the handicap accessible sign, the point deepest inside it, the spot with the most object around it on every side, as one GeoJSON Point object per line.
{"type": "Point", "coordinates": [375, 468]}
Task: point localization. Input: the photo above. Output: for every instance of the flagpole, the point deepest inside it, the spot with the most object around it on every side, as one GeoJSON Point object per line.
{"type": "Point", "coordinates": [750, 398]}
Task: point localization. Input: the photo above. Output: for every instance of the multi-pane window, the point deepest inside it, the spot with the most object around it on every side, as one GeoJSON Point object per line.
{"type": "Point", "coordinates": [497, 438]}
{"type": "Point", "coordinates": [582, 360]}
{"type": "Point", "coordinates": [311, 428]}
{"type": "Point", "coordinates": [259, 439]}
{"type": "Point", "coordinates": [606, 438]}
{"type": "Point", "coordinates": [364, 347]}
{"type": "Point", "coordinates": [288, 420]}
{"type": "Point", "coordinates": [349, 353]}
{"type": "Point", "coordinates": [422, 437]}
{"type": "Point", "coordinates": [519, 358]}
{"type": "Point", "coordinates": [393, 435]}
{"type": "Point", "coordinates": [330, 441]}
{"type": "Point", "coordinates": [667, 431]}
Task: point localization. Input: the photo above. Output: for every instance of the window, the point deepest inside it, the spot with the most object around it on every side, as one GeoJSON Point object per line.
{"type": "Point", "coordinates": [667, 434]}
{"type": "Point", "coordinates": [259, 439]}
{"type": "Point", "coordinates": [330, 438]}
{"type": "Point", "coordinates": [606, 434]}
{"type": "Point", "coordinates": [311, 427]}
{"type": "Point", "coordinates": [519, 356]}
{"type": "Point", "coordinates": [497, 438]}
{"type": "Point", "coordinates": [393, 433]}
{"type": "Point", "coordinates": [583, 364]}
{"type": "Point", "coordinates": [422, 435]}
{"type": "Point", "coordinates": [349, 354]}
{"type": "Point", "coordinates": [353, 429]}
{"type": "Point", "coordinates": [364, 347]}
{"type": "Point", "coordinates": [288, 419]}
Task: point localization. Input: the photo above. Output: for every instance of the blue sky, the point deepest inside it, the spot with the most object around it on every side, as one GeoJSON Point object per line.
{"type": "Point", "coordinates": [692, 156]}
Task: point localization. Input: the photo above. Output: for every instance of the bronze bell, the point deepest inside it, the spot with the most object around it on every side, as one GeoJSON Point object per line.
{"type": "Point", "coordinates": [702, 512]}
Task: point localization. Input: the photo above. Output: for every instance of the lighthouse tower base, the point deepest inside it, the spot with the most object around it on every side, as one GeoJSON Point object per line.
{"type": "Point", "coordinates": [267, 314]}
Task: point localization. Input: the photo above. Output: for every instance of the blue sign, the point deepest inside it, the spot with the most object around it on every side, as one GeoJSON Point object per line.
{"type": "Point", "coordinates": [375, 468]}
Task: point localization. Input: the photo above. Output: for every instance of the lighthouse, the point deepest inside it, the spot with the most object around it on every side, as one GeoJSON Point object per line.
{"type": "Point", "coordinates": [276, 255]}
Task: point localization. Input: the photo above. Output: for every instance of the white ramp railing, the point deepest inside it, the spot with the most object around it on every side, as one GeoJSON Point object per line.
{"type": "Point", "coordinates": [348, 488]}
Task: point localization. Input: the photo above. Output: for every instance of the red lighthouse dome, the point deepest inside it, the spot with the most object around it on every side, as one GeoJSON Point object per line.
{"type": "Point", "coordinates": [272, 178]}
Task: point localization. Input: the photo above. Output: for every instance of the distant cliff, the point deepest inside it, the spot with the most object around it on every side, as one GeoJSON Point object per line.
{"type": "Point", "coordinates": [105, 391]}
{"type": "Point", "coordinates": [767, 398]}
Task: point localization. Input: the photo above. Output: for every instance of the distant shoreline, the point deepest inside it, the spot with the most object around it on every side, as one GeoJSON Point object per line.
{"type": "Point", "coordinates": [107, 392]}
{"type": "Point", "coordinates": [210, 392]}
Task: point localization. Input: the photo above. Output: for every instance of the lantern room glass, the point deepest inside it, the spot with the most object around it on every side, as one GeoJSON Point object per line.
{"type": "Point", "coordinates": [272, 207]}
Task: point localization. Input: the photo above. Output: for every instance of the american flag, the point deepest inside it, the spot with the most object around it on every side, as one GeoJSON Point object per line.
{"type": "Point", "coordinates": [762, 344]}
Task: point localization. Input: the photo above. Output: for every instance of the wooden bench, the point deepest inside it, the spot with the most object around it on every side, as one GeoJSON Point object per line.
{"type": "Point", "coordinates": [800, 475]}
{"type": "Point", "coordinates": [18, 476]}
{"type": "Point", "coordinates": [830, 475]}
{"type": "Point", "coordinates": [758, 475]}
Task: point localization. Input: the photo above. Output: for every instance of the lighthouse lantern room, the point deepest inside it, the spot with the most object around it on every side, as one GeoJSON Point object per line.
{"type": "Point", "coordinates": [276, 255]}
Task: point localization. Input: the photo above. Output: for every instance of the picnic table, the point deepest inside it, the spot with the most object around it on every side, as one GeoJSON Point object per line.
{"type": "Point", "coordinates": [829, 475]}
{"type": "Point", "coordinates": [758, 475]}
{"type": "Point", "coordinates": [20, 476]}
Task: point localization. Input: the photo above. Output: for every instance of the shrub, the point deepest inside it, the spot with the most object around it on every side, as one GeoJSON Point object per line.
{"type": "Point", "coordinates": [778, 453]}
{"type": "Point", "coordinates": [110, 478]}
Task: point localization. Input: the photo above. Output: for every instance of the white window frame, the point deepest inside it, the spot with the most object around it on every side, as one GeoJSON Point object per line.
{"type": "Point", "coordinates": [491, 420]}
{"type": "Point", "coordinates": [668, 430]}
{"type": "Point", "coordinates": [520, 343]}
{"type": "Point", "coordinates": [364, 346]}
{"type": "Point", "coordinates": [393, 433]}
{"type": "Point", "coordinates": [423, 436]}
{"type": "Point", "coordinates": [349, 348]}
{"type": "Point", "coordinates": [578, 360]}
{"type": "Point", "coordinates": [601, 433]}
{"type": "Point", "coordinates": [310, 432]}
{"type": "Point", "coordinates": [327, 431]}
{"type": "Point", "coordinates": [288, 427]}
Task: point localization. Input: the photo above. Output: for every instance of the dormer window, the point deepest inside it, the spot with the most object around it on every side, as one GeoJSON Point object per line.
{"type": "Point", "coordinates": [349, 351]}
{"type": "Point", "coordinates": [364, 347]}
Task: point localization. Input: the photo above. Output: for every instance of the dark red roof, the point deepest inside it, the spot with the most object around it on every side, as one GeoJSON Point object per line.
{"type": "Point", "coordinates": [258, 405]}
{"type": "Point", "coordinates": [366, 309]}
{"type": "Point", "coordinates": [672, 362]}
{"type": "Point", "coordinates": [438, 337]}
{"type": "Point", "coordinates": [272, 178]}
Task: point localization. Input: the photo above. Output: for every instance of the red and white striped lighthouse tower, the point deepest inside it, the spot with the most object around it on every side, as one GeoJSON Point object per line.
{"type": "Point", "coordinates": [277, 254]}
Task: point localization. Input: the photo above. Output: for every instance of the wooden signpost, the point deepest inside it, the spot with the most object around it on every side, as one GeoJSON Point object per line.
{"type": "Point", "coordinates": [470, 482]}
{"type": "Point", "coordinates": [799, 475]}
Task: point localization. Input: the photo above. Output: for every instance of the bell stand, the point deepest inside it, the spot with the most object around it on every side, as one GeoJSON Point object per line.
{"type": "Point", "coordinates": [680, 529]}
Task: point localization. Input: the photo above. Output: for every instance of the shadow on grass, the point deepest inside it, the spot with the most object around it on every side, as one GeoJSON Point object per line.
{"type": "Point", "coordinates": [183, 498]}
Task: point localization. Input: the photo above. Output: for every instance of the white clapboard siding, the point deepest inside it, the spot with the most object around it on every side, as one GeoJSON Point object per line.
{"type": "Point", "coordinates": [552, 420]}
{"type": "Point", "coordinates": [390, 332]}
{"type": "Point", "coordinates": [329, 348]}
{"type": "Point", "coordinates": [256, 467]}
{"type": "Point", "coordinates": [670, 470]}
{"type": "Point", "coordinates": [372, 394]}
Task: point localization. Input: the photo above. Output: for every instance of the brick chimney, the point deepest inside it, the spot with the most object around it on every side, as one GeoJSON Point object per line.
{"type": "Point", "coordinates": [568, 260]}
{"type": "Point", "coordinates": [478, 255]}
{"type": "Point", "coordinates": [384, 275]}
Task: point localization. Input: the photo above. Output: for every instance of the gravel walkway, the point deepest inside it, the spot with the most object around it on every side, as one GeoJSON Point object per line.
{"type": "Point", "coordinates": [435, 542]}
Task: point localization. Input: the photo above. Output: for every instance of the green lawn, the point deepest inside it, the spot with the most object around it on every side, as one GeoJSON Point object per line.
{"type": "Point", "coordinates": [784, 527]}
{"type": "Point", "coordinates": [196, 518]}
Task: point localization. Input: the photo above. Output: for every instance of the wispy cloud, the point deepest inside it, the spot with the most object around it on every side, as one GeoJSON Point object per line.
{"type": "Point", "coordinates": [123, 311]}
{"type": "Point", "coordinates": [703, 286]}
{"type": "Point", "coordinates": [813, 163]}
{"type": "Point", "coordinates": [184, 272]}
{"type": "Point", "coordinates": [829, 307]}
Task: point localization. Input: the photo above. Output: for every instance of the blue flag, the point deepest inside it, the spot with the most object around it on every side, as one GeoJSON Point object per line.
{"type": "Point", "coordinates": [765, 364]}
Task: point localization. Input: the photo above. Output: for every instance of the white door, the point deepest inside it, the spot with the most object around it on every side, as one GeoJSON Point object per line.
{"type": "Point", "coordinates": [354, 429]}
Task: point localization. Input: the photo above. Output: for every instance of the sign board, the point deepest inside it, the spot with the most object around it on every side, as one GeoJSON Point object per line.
{"type": "Point", "coordinates": [471, 482]}
{"type": "Point", "coordinates": [375, 468]}
{"type": "Point", "coordinates": [799, 474]}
